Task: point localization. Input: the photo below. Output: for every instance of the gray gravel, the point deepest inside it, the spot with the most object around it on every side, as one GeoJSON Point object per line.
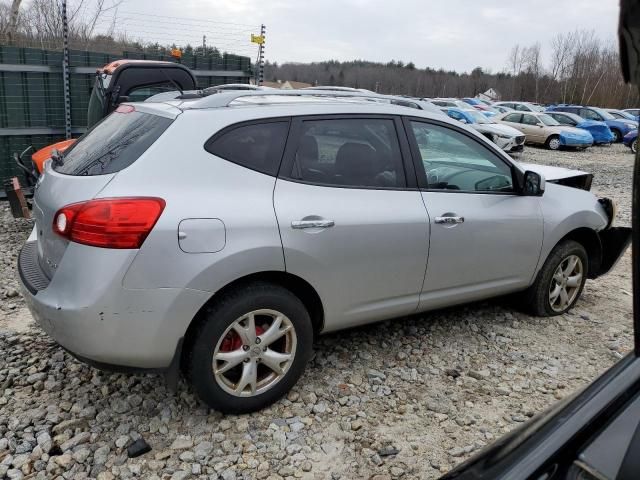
{"type": "Point", "coordinates": [409, 398]}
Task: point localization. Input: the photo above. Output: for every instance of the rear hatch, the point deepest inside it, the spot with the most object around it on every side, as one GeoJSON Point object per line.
{"type": "Point", "coordinates": [89, 165]}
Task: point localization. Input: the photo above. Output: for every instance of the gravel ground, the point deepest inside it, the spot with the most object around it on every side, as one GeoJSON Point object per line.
{"type": "Point", "coordinates": [409, 398]}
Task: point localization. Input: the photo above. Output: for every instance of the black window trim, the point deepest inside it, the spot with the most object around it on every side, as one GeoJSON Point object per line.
{"type": "Point", "coordinates": [257, 121]}
{"type": "Point", "coordinates": [286, 167]}
{"type": "Point", "coordinates": [419, 166]}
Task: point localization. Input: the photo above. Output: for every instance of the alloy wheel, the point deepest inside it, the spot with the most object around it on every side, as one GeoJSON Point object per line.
{"type": "Point", "coordinates": [565, 283]}
{"type": "Point", "coordinates": [634, 146]}
{"type": "Point", "coordinates": [254, 353]}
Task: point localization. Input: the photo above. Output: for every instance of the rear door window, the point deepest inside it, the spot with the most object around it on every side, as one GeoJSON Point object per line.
{"type": "Point", "coordinates": [529, 120]}
{"type": "Point", "coordinates": [258, 146]}
{"type": "Point", "coordinates": [354, 152]}
{"type": "Point", "coordinates": [114, 143]}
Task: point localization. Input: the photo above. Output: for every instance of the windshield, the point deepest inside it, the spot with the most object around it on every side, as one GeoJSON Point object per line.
{"type": "Point", "coordinates": [478, 117]}
{"type": "Point", "coordinates": [573, 116]}
{"type": "Point", "coordinates": [548, 120]}
{"type": "Point", "coordinates": [603, 113]}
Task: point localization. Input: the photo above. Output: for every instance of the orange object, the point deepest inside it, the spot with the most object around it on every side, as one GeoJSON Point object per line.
{"type": "Point", "coordinates": [44, 153]}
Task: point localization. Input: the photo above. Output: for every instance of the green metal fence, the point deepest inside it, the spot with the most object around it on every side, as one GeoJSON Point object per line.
{"type": "Point", "coordinates": [32, 95]}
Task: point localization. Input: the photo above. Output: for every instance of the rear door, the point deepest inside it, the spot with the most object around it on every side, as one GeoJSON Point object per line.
{"type": "Point", "coordinates": [531, 127]}
{"type": "Point", "coordinates": [351, 218]}
{"type": "Point", "coordinates": [485, 238]}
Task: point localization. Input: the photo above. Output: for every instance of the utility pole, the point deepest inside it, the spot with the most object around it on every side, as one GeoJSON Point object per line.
{"type": "Point", "coordinates": [65, 70]}
{"type": "Point", "coordinates": [260, 77]}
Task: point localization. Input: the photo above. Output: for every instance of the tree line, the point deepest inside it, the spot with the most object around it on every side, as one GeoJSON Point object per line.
{"type": "Point", "coordinates": [580, 69]}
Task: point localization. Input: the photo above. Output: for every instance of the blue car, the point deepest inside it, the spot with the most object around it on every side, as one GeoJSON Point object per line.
{"type": "Point", "coordinates": [472, 101]}
{"type": "Point", "coordinates": [633, 111]}
{"type": "Point", "coordinates": [600, 132]}
{"type": "Point", "coordinates": [631, 140]}
{"type": "Point", "coordinates": [622, 115]}
{"type": "Point", "coordinates": [618, 127]}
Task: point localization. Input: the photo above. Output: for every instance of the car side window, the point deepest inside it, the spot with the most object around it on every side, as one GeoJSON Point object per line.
{"type": "Point", "coordinates": [513, 117]}
{"type": "Point", "coordinates": [353, 152]}
{"type": "Point", "coordinates": [530, 120]}
{"type": "Point", "coordinates": [454, 162]}
{"type": "Point", "coordinates": [520, 107]}
{"type": "Point", "coordinates": [258, 146]}
{"type": "Point", "coordinates": [589, 114]}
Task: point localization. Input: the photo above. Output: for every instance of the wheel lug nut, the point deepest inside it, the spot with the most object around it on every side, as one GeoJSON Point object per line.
{"type": "Point", "coordinates": [246, 360]}
{"type": "Point", "coordinates": [258, 340]}
{"type": "Point", "coordinates": [245, 347]}
{"type": "Point", "coordinates": [264, 349]}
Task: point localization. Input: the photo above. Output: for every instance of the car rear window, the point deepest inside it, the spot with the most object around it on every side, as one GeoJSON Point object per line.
{"type": "Point", "coordinates": [114, 143]}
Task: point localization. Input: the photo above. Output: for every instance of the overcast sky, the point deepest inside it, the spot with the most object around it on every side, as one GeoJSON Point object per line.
{"type": "Point", "coordinates": [450, 34]}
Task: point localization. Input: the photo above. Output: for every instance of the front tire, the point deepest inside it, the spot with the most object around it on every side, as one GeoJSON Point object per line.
{"type": "Point", "coordinates": [553, 142]}
{"type": "Point", "coordinates": [560, 281]}
{"type": "Point", "coordinates": [250, 349]}
{"type": "Point", "coordinates": [634, 146]}
{"type": "Point", "coordinates": [617, 136]}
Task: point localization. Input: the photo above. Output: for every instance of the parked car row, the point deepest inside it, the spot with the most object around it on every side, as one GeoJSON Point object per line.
{"type": "Point", "coordinates": [554, 126]}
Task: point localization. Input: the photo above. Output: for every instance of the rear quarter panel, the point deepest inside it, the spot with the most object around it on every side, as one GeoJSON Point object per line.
{"type": "Point", "coordinates": [196, 184]}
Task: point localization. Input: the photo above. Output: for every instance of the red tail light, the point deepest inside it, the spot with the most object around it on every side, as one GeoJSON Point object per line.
{"type": "Point", "coordinates": [109, 222]}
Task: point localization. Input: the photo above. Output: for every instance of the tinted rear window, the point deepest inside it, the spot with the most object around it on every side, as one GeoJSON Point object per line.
{"type": "Point", "coordinates": [258, 146]}
{"type": "Point", "coordinates": [113, 144]}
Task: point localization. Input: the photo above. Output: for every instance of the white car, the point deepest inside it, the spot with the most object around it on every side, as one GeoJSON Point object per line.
{"type": "Point", "coordinates": [507, 138]}
{"type": "Point", "coordinates": [520, 106]}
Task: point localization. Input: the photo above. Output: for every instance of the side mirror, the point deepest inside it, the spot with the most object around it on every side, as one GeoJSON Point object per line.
{"type": "Point", "coordinates": [533, 184]}
{"type": "Point", "coordinates": [541, 125]}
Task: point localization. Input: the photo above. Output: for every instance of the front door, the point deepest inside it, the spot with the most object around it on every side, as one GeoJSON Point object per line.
{"type": "Point", "coordinates": [350, 226]}
{"type": "Point", "coordinates": [485, 239]}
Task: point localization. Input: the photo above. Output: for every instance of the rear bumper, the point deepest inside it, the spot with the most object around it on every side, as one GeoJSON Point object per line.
{"type": "Point", "coordinates": [88, 312]}
{"type": "Point", "coordinates": [614, 242]}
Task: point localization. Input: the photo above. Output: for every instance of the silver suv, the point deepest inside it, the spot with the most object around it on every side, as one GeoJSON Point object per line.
{"type": "Point", "coordinates": [220, 234]}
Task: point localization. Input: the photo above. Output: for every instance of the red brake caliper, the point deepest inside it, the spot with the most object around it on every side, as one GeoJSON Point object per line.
{"type": "Point", "coordinates": [233, 341]}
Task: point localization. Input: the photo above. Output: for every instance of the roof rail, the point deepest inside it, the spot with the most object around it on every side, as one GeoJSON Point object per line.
{"type": "Point", "coordinates": [225, 98]}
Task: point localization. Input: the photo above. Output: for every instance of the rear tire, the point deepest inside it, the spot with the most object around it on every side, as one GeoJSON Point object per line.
{"type": "Point", "coordinates": [553, 142]}
{"type": "Point", "coordinates": [559, 285]}
{"type": "Point", "coordinates": [634, 146]}
{"type": "Point", "coordinates": [251, 370]}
